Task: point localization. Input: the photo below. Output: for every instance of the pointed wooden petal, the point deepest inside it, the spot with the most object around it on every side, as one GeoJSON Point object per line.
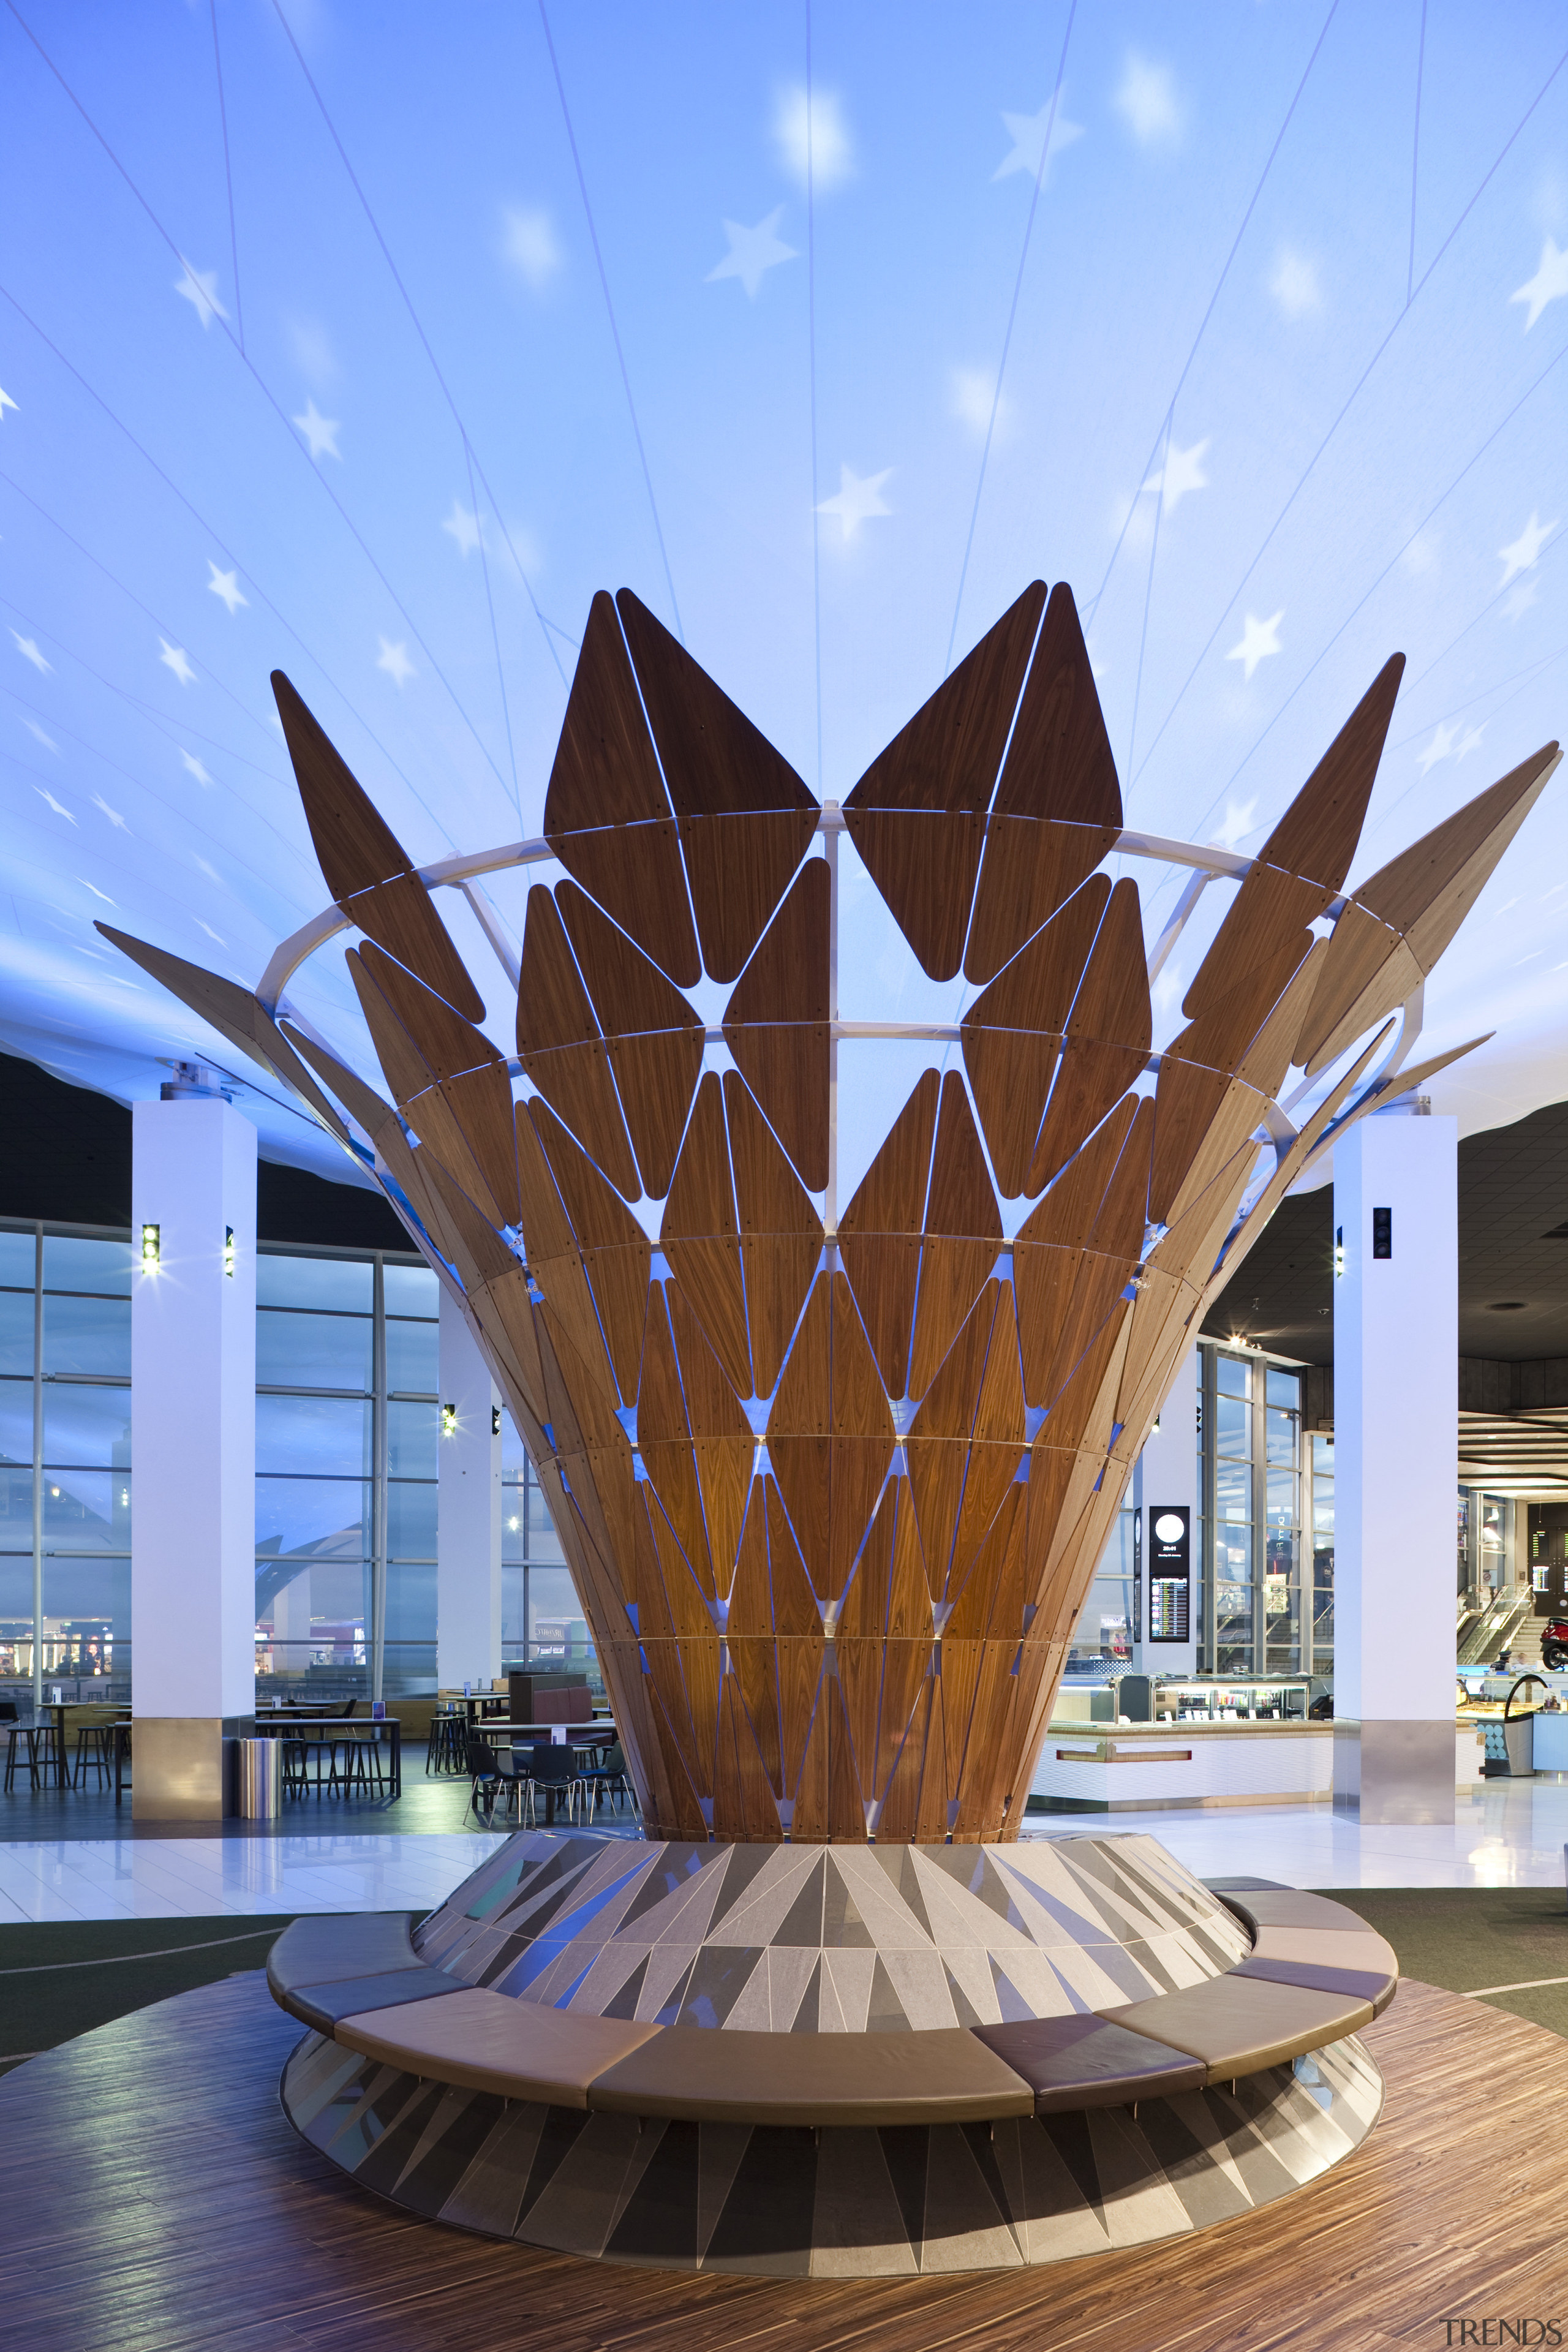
{"type": "Point", "coordinates": [917, 814]}
{"type": "Point", "coordinates": [781, 1233]}
{"type": "Point", "coordinates": [606, 815]}
{"type": "Point", "coordinates": [1108, 1037]}
{"type": "Point", "coordinates": [560, 1046]}
{"type": "Point", "coordinates": [1317, 833]}
{"type": "Point", "coordinates": [700, 1239]}
{"type": "Point", "coordinates": [234, 1013]}
{"type": "Point", "coordinates": [746, 819]}
{"type": "Point", "coordinates": [471, 1089]}
{"type": "Point", "coordinates": [963, 1235]}
{"type": "Point", "coordinates": [1012, 1032]}
{"type": "Point", "coordinates": [1423, 895]}
{"type": "Point", "coordinates": [775, 1024]}
{"type": "Point", "coordinates": [1058, 804]}
{"type": "Point", "coordinates": [880, 1233]}
{"type": "Point", "coordinates": [720, 1434]}
{"type": "Point", "coordinates": [653, 1038]}
{"type": "Point", "coordinates": [1075, 1255]}
{"type": "Point", "coordinates": [366, 869]}
{"type": "Point", "coordinates": [615, 1250]}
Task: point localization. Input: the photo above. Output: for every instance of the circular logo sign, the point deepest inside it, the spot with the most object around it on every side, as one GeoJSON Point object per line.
{"type": "Point", "coordinates": [1169, 1528]}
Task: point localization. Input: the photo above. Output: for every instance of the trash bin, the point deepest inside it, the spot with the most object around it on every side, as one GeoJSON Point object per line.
{"type": "Point", "coordinates": [260, 1764]}
{"type": "Point", "coordinates": [1518, 1732]}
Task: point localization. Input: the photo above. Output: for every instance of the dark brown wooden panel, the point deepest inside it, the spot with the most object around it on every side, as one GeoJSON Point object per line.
{"type": "Point", "coordinates": [775, 1024]}
{"type": "Point", "coordinates": [1075, 1254]}
{"type": "Point", "coordinates": [653, 1036]}
{"type": "Point", "coordinates": [963, 1235]}
{"type": "Point", "coordinates": [781, 1233]}
{"type": "Point", "coordinates": [664, 1442]}
{"type": "Point", "coordinates": [1012, 1031]}
{"type": "Point", "coordinates": [440, 1116]}
{"type": "Point", "coordinates": [700, 1237]}
{"type": "Point", "coordinates": [1108, 1037]}
{"type": "Point", "coordinates": [365, 868]}
{"type": "Point", "coordinates": [1317, 833]}
{"type": "Point", "coordinates": [917, 815]}
{"type": "Point", "coordinates": [880, 1233]}
{"type": "Point", "coordinates": [606, 814]}
{"type": "Point", "coordinates": [471, 1075]}
{"type": "Point", "coordinates": [615, 1250]}
{"type": "Point", "coordinates": [746, 819]}
{"type": "Point", "coordinates": [1058, 804]}
{"type": "Point", "coordinates": [830, 1435]}
{"type": "Point", "coordinates": [721, 1438]}
{"type": "Point", "coordinates": [561, 1047]}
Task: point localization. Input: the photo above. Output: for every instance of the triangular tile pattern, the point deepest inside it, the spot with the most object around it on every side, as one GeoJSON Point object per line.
{"type": "Point", "coordinates": [832, 1492]}
{"type": "Point", "coordinates": [839, 1938]}
{"type": "Point", "coordinates": [833, 2204]}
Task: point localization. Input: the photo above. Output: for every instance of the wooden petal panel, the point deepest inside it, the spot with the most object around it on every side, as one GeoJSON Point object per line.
{"type": "Point", "coordinates": [746, 819]}
{"type": "Point", "coordinates": [917, 815]}
{"type": "Point", "coordinates": [1058, 804]}
{"type": "Point", "coordinates": [467, 1118]}
{"type": "Point", "coordinates": [606, 814]}
{"type": "Point", "coordinates": [1075, 1253]}
{"type": "Point", "coordinates": [830, 1436]}
{"type": "Point", "coordinates": [664, 1442]}
{"type": "Point", "coordinates": [366, 869]}
{"type": "Point", "coordinates": [962, 1234]}
{"type": "Point", "coordinates": [775, 1024]}
{"type": "Point", "coordinates": [700, 1239]}
{"type": "Point", "coordinates": [781, 1234]}
{"type": "Point", "coordinates": [720, 1436]}
{"type": "Point", "coordinates": [1108, 1037]}
{"type": "Point", "coordinates": [1013, 1033]}
{"type": "Point", "coordinates": [616, 1251]}
{"type": "Point", "coordinates": [560, 1046]}
{"type": "Point", "coordinates": [653, 1038]}
{"type": "Point", "coordinates": [880, 1233]}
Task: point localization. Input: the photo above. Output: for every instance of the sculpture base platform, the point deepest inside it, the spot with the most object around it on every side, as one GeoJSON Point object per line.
{"type": "Point", "coordinates": [835, 2061]}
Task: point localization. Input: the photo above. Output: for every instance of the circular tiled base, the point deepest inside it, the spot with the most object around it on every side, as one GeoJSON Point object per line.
{"type": "Point", "coordinates": [835, 2203]}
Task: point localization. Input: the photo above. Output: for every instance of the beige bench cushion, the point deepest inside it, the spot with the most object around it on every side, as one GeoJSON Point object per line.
{"type": "Point", "coordinates": [1082, 2062]}
{"type": "Point", "coordinates": [1379, 1987]}
{"type": "Point", "coordinates": [1238, 2024]}
{"type": "Point", "coordinates": [332, 1944]}
{"type": "Point", "coordinates": [1327, 1948]}
{"type": "Point", "coordinates": [1288, 1906]}
{"type": "Point", "coordinates": [487, 2042]}
{"type": "Point", "coordinates": [716, 2076]}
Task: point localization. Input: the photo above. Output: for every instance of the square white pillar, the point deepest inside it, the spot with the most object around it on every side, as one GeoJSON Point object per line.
{"type": "Point", "coordinates": [1396, 1348]}
{"type": "Point", "coordinates": [1165, 1482]}
{"type": "Point", "coordinates": [193, 1449]}
{"type": "Point", "coordinates": [469, 1533]}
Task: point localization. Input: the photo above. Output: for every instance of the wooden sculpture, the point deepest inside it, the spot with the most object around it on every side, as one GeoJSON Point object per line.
{"type": "Point", "coordinates": [832, 1480]}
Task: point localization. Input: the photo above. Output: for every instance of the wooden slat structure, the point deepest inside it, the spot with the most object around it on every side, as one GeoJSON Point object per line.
{"type": "Point", "coordinates": [156, 2195]}
{"type": "Point", "coordinates": [765, 1420]}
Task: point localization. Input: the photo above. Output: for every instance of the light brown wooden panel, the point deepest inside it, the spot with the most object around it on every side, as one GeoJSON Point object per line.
{"type": "Point", "coordinates": [1187, 1101]}
{"type": "Point", "coordinates": [700, 1239]}
{"type": "Point", "coordinates": [560, 1046]}
{"type": "Point", "coordinates": [1108, 1037]}
{"type": "Point", "coordinates": [556, 1263]}
{"type": "Point", "coordinates": [653, 1038]}
{"type": "Point", "coordinates": [917, 815]}
{"type": "Point", "coordinates": [1058, 804]}
{"type": "Point", "coordinates": [775, 1024]}
{"type": "Point", "coordinates": [664, 1442]}
{"type": "Point", "coordinates": [236, 1015]}
{"type": "Point", "coordinates": [361, 1101]}
{"type": "Point", "coordinates": [606, 814]}
{"type": "Point", "coordinates": [996, 1445]}
{"type": "Point", "coordinates": [720, 1434]}
{"type": "Point", "coordinates": [781, 1233]}
{"type": "Point", "coordinates": [365, 868]}
{"type": "Point", "coordinates": [964, 1233]}
{"type": "Point", "coordinates": [797, 1628]}
{"type": "Point", "coordinates": [1074, 1254]}
{"type": "Point", "coordinates": [830, 1435]}
{"type": "Point", "coordinates": [615, 1249]}
{"type": "Point", "coordinates": [746, 819]}
{"type": "Point", "coordinates": [880, 1233]}
{"type": "Point", "coordinates": [751, 1638]}
{"type": "Point", "coordinates": [937, 1446]}
{"type": "Point", "coordinates": [1012, 1032]}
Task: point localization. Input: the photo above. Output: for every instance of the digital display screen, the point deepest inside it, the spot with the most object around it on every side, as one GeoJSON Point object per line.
{"type": "Point", "coordinates": [1170, 1572]}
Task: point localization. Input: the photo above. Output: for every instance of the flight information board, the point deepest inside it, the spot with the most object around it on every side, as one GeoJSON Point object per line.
{"type": "Point", "coordinates": [1170, 1572]}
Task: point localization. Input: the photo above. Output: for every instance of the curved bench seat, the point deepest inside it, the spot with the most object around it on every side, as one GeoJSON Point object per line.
{"type": "Point", "coordinates": [1316, 1973]}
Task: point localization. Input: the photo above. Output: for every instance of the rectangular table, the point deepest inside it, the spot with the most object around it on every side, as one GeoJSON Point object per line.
{"type": "Point", "coordinates": [57, 1708]}
{"type": "Point", "coordinates": [341, 1727]}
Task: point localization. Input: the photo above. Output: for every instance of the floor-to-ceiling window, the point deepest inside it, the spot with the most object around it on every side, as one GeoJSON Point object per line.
{"type": "Point", "coordinates": [543, 1623]}
{"type": "Point", "coordinates": [1257, 1613]}
{"type": "Point", "coordinates": [65, 1456]}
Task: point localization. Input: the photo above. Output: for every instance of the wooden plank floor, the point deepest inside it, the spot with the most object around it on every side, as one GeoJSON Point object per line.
{"type": "Point", "coordinates": [152, 2198]}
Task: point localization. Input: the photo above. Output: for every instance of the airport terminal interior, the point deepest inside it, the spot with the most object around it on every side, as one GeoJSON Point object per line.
{"type": "Point", "coordinates": [784, 1245]}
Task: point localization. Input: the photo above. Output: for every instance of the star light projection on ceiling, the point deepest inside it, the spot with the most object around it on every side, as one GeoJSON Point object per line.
{"type": "Point", "coordinates": [367, 344]}
{"type": "Point", "coordinates": [833, 1461]}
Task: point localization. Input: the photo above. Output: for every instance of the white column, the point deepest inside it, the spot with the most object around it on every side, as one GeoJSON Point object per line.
{"type": "Point", "coordinates": [193, 1449]}
{"type": "Point", "coordinates": [1167, 1481]}
{"type": "Point", "coordinates": [467, 1542]}
{"type": "Point", "coordinates": [1397, 1347]}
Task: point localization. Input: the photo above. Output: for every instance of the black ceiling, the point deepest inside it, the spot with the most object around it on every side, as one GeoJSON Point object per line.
{"type": "Point", "coordinates": [1513, 1191]}
{"type": "Point", "coordinates": [67, 1158]}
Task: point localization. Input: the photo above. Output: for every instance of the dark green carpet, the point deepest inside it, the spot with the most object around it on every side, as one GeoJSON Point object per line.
{"type": "Point", "coordinates": [60, 1981]}
{"type": "Point", "coordinates": [1465, 1938]}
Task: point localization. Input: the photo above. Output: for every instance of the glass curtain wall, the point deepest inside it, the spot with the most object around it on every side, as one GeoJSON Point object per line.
{"type": "Point", "coordinates": [1258, 1492]}
{"type": "Point", "coordinates": [543, 1623]}
{"type": "Point", "coordinates": [1102, 1637]}
{"type": "Point", "coordinates": [65, 1459]}
{"type": "Point", "coordinates": [346, 1439]}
